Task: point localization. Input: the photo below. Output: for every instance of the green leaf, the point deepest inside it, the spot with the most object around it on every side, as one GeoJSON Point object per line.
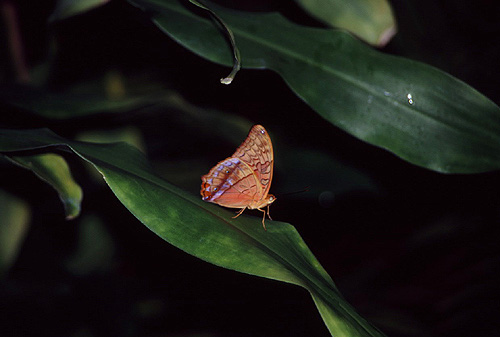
{"type": "Point", "coordinates": [15, 217]}
{"type": "Point", "coordinates": [88, 99]}
{"type": "Point", "coordinates": [418, 112]}
{"type": "Point", "coordinates": [54, 170]}
{"type": "Point", "coordinates": [130, 134]}
{"type": "Point", "coordinates": [370, 20]}
{"type": "Point", "coordinates": [69, 8]}
{"type": "Point", "coordinates": [205, 230]}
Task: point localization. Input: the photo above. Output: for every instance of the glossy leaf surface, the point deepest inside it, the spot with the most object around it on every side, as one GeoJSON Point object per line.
{"type": "Point", "coordinates": [418, 112]}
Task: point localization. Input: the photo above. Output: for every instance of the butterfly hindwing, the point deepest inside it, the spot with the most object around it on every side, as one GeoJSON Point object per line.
{"type": "Point", "coordinates": [230, 183]}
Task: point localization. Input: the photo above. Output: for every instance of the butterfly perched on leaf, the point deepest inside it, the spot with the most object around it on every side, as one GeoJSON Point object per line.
{"type": "Point", "coordinates": [244, 179]}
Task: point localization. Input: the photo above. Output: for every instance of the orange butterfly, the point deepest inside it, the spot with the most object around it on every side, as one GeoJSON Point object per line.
{"type": "Point", "coordinates": [243, 180]}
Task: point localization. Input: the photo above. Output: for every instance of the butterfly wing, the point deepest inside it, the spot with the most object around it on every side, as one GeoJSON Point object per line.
{"type": "Point", "coordinates": [230, 183]}
{"type": "Point", "coordinates": [257, 152]}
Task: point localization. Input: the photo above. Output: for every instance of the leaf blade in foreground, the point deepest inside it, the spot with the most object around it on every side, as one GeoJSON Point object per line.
{"type": "Point", "coordinates": [204, 230]}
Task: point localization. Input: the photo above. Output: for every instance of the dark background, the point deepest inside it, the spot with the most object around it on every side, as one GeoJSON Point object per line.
{"type": "Point", "coordinates": [416, 252]}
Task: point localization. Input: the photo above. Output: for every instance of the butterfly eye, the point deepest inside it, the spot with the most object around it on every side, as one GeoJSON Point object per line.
{"type": "Point", "coordinates": [227, 171]}
{"type": "Point", "coordinates": [215, 188]}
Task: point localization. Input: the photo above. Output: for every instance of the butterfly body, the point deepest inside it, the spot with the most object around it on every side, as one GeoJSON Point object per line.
{"type": "Point", "coordinates": [244, 179]}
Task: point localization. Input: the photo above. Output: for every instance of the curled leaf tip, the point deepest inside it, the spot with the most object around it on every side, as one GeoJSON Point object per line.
{"type": "Point", "coordinates": [229, 78]}
{"type": "Point", "coordinates": [230, 36]}
{"type": "Point", "coordinates": [226, 80]}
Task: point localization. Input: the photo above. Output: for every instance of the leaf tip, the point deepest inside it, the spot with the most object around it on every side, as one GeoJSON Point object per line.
{"type": "Point", "coordinates": [386, 36]}
{"type": "Point", "coordinates": [226, 80]}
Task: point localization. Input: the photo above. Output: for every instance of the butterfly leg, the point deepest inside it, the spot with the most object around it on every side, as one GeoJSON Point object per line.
{"type": "Point", "coordinates": [268, 214]}
{"type": "Point", "coordinates": [239, 213]}
{"type": "Point", "coordinates": [263, 219]}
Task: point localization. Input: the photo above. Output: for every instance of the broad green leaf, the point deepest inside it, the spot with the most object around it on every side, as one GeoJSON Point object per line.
{"type": "Point", "coordinates": [15, 216]}
{"type": "Point", "coordinates": [53, 169]}
{"type": "Point", "coordinates": [418, 112]}
{"type": "Point", "coordinates": [205, 230]}
{"type": "Point", "coordinates": [370, 20]}
{"type": "Point", "coordinates": [68, 8]}
{"type": "Point", "coordinates": [88, 99]}
{"type": "Point", "coordinates": [130, 135]}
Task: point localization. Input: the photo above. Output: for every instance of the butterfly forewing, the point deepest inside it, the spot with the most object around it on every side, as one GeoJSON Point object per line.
{"type": "Point", "coordinates": [257, 152]}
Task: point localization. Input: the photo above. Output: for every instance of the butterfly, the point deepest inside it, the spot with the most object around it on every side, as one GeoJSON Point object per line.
{"type": "Point", "coordinates": [243, 180]}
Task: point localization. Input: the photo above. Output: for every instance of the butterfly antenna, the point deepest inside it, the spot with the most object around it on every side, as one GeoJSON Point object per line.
{"type": "Point", "coordinates": [305, 189]}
